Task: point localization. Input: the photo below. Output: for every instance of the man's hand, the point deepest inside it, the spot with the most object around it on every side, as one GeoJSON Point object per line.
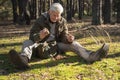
{"type": "Point", "coordinates": [59, 57]}
{"type": "Point", "coordinates": [70, 38]}
{"type": "Point", "coordinates": [44, 33]}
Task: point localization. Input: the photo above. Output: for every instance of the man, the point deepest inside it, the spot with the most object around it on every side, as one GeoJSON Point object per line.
{"type": "Point", "coordinates": [49, 37]}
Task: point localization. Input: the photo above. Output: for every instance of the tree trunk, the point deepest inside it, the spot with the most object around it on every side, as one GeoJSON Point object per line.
{"type": "Point", "coordinates": [118, 11]}
{"type": "Point", "coordinates": [49, 3]}
{"type": "Point", "coordinates": [37, 8]}
{"type": "Point", "coordinates": [96, 12]}
{"type": "Point", "coordinates": [14, 8]}
{"type": "Point", "coordinates": [55, 1]}
{"type": "Point", "coordinates": [69, 10]}
{"type": "Point", "coordinates": [44, 7]}
{"type": "Point", "coordinates": [40, 7]}
{"type": "Point", "coordinates": [107, 11]}
{"type": "Point", "coordinates": [81, 8]}
{"type": "Point", "coordinates": [33, 9]}
{"type": "Point", "coordinates": [73, 8]}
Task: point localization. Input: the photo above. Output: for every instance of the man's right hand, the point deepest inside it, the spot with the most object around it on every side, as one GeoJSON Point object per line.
{"type": "Point", "coordinates": [44, 33]}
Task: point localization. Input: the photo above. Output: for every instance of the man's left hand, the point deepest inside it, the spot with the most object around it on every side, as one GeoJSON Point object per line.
{"type": "Point", "coordinates": [70, 38]}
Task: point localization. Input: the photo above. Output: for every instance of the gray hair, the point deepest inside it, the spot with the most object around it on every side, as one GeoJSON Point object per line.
{"type": "Point", "coordinates": [56, 7]}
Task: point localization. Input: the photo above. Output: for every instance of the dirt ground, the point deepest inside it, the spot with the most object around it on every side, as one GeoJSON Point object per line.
{"type": "Point", "coordinates": [8, 29]}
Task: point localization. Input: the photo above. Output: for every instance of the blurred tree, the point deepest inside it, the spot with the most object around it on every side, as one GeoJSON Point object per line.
{"type": "Point", "coordinates": [81, 8]}
{"type": "Point", "coordinates": [2, 2]}
{"type": "Point", "coordinates": [118, 11]}
{"type": "Point", "coordinates": [15, 13]}
{"type": "Point", "coordinates": [69, 10]}
{"type": "Point", "coordinates": [107, 11]}
{"type": "Point", "coordinates": [96, 12]}
{"type": "Point", "coordinates": [44, 5]}
{"type": "Point", "coordinates": [37, 8]}
{"type": "Point", "coordinates": [32, 8]}
{"type": "Point", "coordinates": [23, 16]}
{"type": "Point", "coordinates": [99, 9]}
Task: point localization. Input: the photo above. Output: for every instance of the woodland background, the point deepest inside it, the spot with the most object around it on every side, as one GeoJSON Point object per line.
{"type": "Point", "coordinates": [92, 22]}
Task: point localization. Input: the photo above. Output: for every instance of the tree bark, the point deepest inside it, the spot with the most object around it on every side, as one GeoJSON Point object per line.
{"type": "Point", "coordinates": [118, 11]}
{"type": "Point", "coordinates": [107, 11]}
{"type": "Point", "coordinates": [96, 12]}
{"type": "Point", "coordinates": [69, 10]}
{"type": "Point", "coordinates": [81, 8]}
{"type": "Point", "coordinates": [37, 8]}
{"type": "Point", "coordinates": [44, 7]}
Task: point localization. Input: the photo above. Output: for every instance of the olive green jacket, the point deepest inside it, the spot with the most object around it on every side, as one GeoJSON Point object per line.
{"type": "Point", "coordinates": [43, 21]}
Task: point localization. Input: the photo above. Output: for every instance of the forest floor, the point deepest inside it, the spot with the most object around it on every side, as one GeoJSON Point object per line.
{"type": "Point", "coordinates": [8, 29]}
{"type": "Point", "coordinates": [71, 68]}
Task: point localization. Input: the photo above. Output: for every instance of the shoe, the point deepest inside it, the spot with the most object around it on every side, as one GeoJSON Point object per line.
{"type": "Point", "coordinates": [20, 62]}
{"type": "Point", "coordinates": [103, 51]}
{"type": "Point", "coordinates": [99, 54]}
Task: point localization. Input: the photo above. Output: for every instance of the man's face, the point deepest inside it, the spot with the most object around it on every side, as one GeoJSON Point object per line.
{"type": "Point", "coordinates": [54, 16]}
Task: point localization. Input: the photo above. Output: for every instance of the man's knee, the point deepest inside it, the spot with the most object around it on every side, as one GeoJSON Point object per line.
{"type": "Point", "coordinates": [74, 43]}
{"type": "Point", "coordinates": [28, 42]}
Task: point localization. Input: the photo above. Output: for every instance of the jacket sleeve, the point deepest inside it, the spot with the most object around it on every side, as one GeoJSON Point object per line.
{"type": "Point", "coordinates": [64, 33]}
{"type": "Point", "coordinates": [36, 28]}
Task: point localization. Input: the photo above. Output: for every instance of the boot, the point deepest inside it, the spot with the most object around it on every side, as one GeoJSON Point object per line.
{"type": "Point", "coordinates": [99, 54]}
{"type": "Point", "coordinates": [20, 62]}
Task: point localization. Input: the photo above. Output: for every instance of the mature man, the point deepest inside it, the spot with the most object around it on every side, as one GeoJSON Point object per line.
{"type": "Point", "coordinates": [49, 37]}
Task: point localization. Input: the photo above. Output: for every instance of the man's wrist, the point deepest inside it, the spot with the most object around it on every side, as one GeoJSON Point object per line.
{"type": "Point", "coordinates": [37, 37]}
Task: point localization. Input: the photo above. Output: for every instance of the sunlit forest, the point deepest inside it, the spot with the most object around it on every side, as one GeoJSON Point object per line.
{"type": "Point", "coordinates": [92, 22]}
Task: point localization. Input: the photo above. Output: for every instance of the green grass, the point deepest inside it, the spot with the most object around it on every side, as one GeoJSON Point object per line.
{"type": "Point", "coordinates": [72, 68]}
